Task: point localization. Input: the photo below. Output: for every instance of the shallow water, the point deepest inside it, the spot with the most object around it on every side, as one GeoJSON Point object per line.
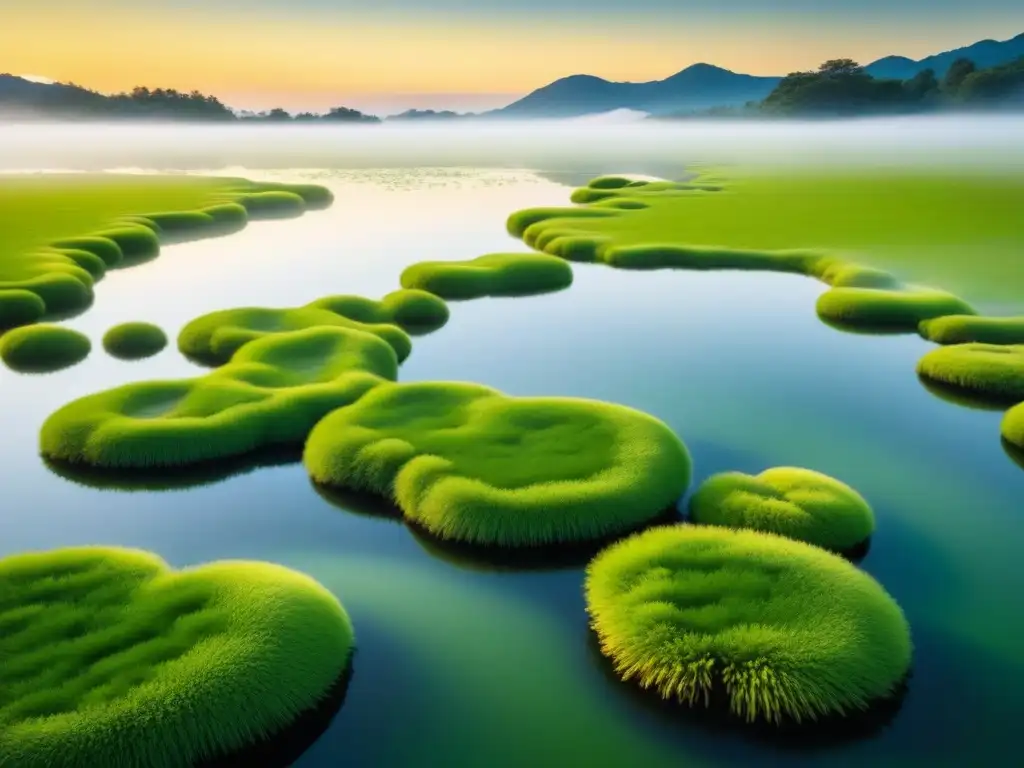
{"type": "Point", "coordinates": [460, 664]}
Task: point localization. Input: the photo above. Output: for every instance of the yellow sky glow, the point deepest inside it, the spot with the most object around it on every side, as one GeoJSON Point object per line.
{"type": "Point", "coordinates": [303, 62]}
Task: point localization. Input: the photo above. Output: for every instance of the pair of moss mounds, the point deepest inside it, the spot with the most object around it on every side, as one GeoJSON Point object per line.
{"type": "Point", "coordinates": [44, 348]}
{"type": "Point", "coordinates": [59, 278]}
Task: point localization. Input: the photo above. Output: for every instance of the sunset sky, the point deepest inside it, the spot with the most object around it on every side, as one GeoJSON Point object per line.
{"type": "Point", "coordinates": [460, 54]}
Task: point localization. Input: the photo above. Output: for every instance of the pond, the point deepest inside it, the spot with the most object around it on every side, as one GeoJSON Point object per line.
{"type": "Point", "coordinates": [460, 664]}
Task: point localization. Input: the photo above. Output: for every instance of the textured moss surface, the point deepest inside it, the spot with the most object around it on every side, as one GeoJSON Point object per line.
{"type": "Point", "coordinates": [497, 274]}
{"type": "Point", "coordinates": [995, 371]}
{"type": "Point", "coordinates": [785, 630]}
{"type": "Point", "coordinates": [272, 392]}
{"type": "Point", "coordinates": [414, 310]}
{"type": "Point", "coordinates": [963, 329]}
{"type": "Point", "coordinates": [110, 658]}
{"type": "Point", "coordinates": [793, 502]}
{"type": "Point", "coordinates": [471, 464]}
{"type": "Point", "coordinates": [42, 348]}
{"type": "Point", "coordinates": [134, 341]}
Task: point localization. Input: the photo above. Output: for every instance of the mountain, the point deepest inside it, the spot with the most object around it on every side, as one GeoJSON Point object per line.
{"type": "Point", "coordinates": [985, 54]}
{"type": "Point", "coordinates": [700, 86]}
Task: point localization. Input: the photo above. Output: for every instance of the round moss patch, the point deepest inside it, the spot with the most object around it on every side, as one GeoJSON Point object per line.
{"type": "Point", "coordinates": [796, 503]}
{"type": "Point", "coordinates": [1013, 426]}
{"type": "Point", "coordinates": [902, 309]}
{"type": "Point", "coordinates": [785, 630]}
{"type": "Point", "coordinates": [470, 464]}
{"type": "Point", "coordinates": [271, 394]}
{"type": "Point", "coordinates": [43, 348]}
{"type": "Point", "coordinates": [498, 274]}
{"type": "Point", "coordinates": [112, 658]}
{"type": "Point", "coordinates": [20, 307]}
{"type": "Point", "coordinates": [991, 370]}
{"type": "Point", "coordinates": [134, 341]}
{"type": "Point", "coordinates": [963, 329]}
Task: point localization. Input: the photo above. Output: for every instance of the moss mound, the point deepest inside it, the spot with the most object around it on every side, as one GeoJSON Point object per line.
{"type": "Point", "coordinates": [797, 503]}
{"type": "Point", "coordinates": [1013, 427]}
{"type": "Point", "coordinates": [134, 341]}
{"type": "Point", "coordinates": [963, 329]}
{"type": "Point", "coordinates": [101, 247]}
{"type": "Point", "coordinates": [112, 658]}
{"type": "Point", "coordinates": [90, 262]}
{"type": "Point", "coordinates": [498, 274]}
{"type": "Point", "coordinates": [272, 205]}
{"type": "Point", "coordinates": [413, 310]}
{"type": "Point", "coordinates": [271, 393]}
{"type": "Point", "coordinates": [993, 371]}
{"type": "Point", "coordinates": [468, 463]}
{"type": "Point", "coordinates": [137, 243]}
{"type": "Point", "coordinates": [786, 631]}
{"type": "Point", "coordinates": [213, 338]}
{"type": "Point", "coordinates": [19, 307]}
{"type": "Point", "coordinates": [898, 309]}
{"type": "Point", "coordinates": [42, 348]}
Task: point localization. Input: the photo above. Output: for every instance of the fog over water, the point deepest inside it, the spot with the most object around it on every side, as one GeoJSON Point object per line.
{"type": "Point", "coordinates": [996, 142]}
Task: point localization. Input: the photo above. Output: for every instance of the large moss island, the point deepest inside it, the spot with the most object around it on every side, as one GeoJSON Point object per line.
{"type": "Point", "coordinates": [112, 658]}
{"type": "Point", "coordinates": [467, 463]}
{"type": "Point", "coordinates": [63, 232]}
{"type": "Point", "coordinates": [782, 631]}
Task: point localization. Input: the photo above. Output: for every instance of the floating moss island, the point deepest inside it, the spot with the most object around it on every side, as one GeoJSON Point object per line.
{"type": "Point", "coordinates": [963, 329]}
{"type": "Point", "coordinates": [991, 370]}
{"type": "Point", "coordinates": [271, 393]}
{"type": "Point", "coordinates": [134, 341]}
{"type": "Point", "coordinates": [62, 233]}
{"type": "Point", "coordinates": [777, 630]}
{"type": "Point", "coordinates": [797, 503]}
{"type": "Point", "coordinates": [497, 274]}
{"type": "Point", "coordinates": [43, 348]}
{"type": "Point", "coordinates": [112, 658]}
{"type": "Point", "coordinates": [469, 464]}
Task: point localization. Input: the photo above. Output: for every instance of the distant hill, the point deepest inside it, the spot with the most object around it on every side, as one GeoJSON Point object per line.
{"type": "Point", "coordinates": [700, 86]}
{"type": "Point", "coordinates": [985, 54]}
{"type": "Point", "coordinates": [425, 114]}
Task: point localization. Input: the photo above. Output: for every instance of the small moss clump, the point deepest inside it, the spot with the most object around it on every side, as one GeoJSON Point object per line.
{"type": "Point", "coordinates": [1013, 426]}
{"type": "Point", "coordinates": [271, 393]}
{"type": "Point", "coordinates": [991, 370]}
{"type": "Point", "coordinates": [137, 243]}
{"type": "Point", "coordinates": [902, 309]}
{"type": "Point", "coordinates": [413, 310]}
{"type": "Point", "coordinates": [963, 329]}
{"type": "Point", "coordinates": [272, 205]}
{"type": "Point", "coordinates": [786, 631]}
{"type": "Point", "coordinates": [111, 658]}
{"type": "Point", "coordinates": [470, 464]}
{"type": "Point", "coordinates": [134, 341]}
{"type": "Point", "coordinates": [19, 307]}
{"type": "Point", "coordinates": [213, 338]}
{"type": "Point", "coordinates": [101, 247]}
{"type": "Point", "coordinates": [797, 503]}
{"type": "Point", "coordinates": [498, 274]}
{"type": "Point", "coordinates": [43, 348]}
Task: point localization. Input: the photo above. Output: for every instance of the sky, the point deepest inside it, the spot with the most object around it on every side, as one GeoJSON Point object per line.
{"type": "Point", "coordinates": [388, 55]}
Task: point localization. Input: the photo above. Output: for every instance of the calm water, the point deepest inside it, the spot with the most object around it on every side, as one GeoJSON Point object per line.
{"type": "Point", "coordinates": [461, 665]}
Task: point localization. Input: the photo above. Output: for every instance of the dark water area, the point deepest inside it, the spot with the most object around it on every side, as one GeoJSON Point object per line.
{"type": "Point", "coordinates": [460, 664]}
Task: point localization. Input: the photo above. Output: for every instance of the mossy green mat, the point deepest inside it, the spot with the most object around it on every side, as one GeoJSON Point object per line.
{"type": "Point", "coordinates": [110, 658]}
{"type": "Point", "coordinates": [273, 391]}
{"type": "Point", "coordinates": [62, 232]}
{"type": "Point", "coordinates": [788, 631]}
{"type": "Point", "coordinates": [470, 464]}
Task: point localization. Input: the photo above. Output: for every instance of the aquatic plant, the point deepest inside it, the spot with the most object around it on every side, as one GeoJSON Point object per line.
{"type": "Point", "coordinates": [43, 348]}
{"type": "Point", "coordinates": [468, 463]}
{"type": "Point", "coordinates": [793, 502]}
{"type": "Point", "coordinates": [51, 222]}
{"type": "Point", "coordinates": [271, 393]}
{"type": "Point", "coordinates": [497, 274]}
{"type": "Point", "coordinates": [411, 309]}
{"type": "Point", "coordinates": [214, 337]}
{"type": "Point", "coordinates": [785, 631]}
{"type": "Point", "coordinates": [133, 341]}
{"type": "Point", "coordinates": [962, 329]}
{"type": "Point", "coordinates": [995, 371]}
{"type": "Point", "coordinates": [111, 658]}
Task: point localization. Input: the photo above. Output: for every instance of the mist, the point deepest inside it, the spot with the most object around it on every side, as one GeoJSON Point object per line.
{"type": "Point", "coordinates": [992, 143]}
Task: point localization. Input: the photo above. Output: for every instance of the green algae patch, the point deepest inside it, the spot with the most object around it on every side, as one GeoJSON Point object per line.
{"type": "Point", "coordinates": [134, 341]}
{"type": "Point", "coordinates": [112, 658]}
{"type": "Point", "coordinates": [963, 329]}
{"type": "Point", "coordinates": [782, 630]}
{"type": "Point", "coordinates": [20, 307]}
{"type": "Point", "coordinates": [50, 221]}
{"type": "Point", "coordinates": [413, 310]}
{"type": "Point", "coordinates": [991, 370]}
{"type": "Point", "coordinates": [271, 393]}
{"type": "Point", "coordinates": [497, 274]}
{"type": "Point", "coordinates": [467, 463]}
{"type": "Point", "coordinates": [793, 502]}
{"type": "Point", "coordinates": [43, 348]}
{"type": "Point", "coordinates": [213, 338]}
